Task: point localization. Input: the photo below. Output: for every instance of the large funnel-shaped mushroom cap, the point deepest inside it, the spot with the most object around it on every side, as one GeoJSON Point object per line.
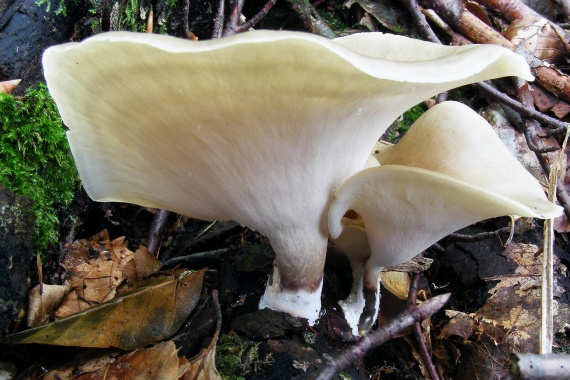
{"type": "Point", "coordinates": [260, 127]}
{"type": "Point", "coordinates": [450, 170]}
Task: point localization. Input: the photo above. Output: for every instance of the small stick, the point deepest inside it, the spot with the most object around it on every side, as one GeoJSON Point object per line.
{"type": "Point", "coordinates": [417, 327]}
{"type": "Point", "coordinates": [219, 21]}
{"type": "Point", "coordinates": [502, 98]}
{"type": "Point", "coordinates": [185, 15]}
{"type": "Point", "coordinates": [196, 258]}
{"type": "Point", "coordinates": [478, 237]}
{"type": "Point", "coordinates": [545, 367]}
{"type": "Point", "coordinates": [255, 19]}
{"type": "Point", "coordinates": [156, 231]}
{"type": "Point", "coordinates": [233, 22]}
{"type": "Point", "coordinates": [380, 336]}
{"type": "Point", "coordinates": [547, 291]}
{"type": "Point", "coordinates": [420, 20]}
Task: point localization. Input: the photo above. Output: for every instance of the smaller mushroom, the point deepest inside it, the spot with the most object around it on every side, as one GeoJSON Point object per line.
{"type": "Point", "coordinates": [450, 170]}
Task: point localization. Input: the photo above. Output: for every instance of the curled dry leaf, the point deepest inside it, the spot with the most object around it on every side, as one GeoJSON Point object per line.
{"type": "Point", "coordinates": [6, 87]}
{"type": "Point", "coordinates": [151, 313]}
{"type": "Point", "coordinates": [42, 305]}
{"type": "Point", "coordinates": [538, 37]}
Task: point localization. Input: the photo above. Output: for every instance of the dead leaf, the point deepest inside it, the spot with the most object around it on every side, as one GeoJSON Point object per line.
{"type": "Point", "coordinates": [151, 313]}
{"type": "Point", "coordinates": [460, 324]}
{"type": "Point", "coordinates": [201, 366]}
{"type": "Point", "coordinates": [560, 109]}
{"type": "Point", "coordinates": [158, 362]}
{"type": "Point", "coordinates": [539, 37]}
{"type": "Point", "coordinates": [526, 256]}
{"type": "Point", "coordinates": [6, 87]}
{"type": "Point", "coordinates": [41, 306]}
{"type": "Point", "coordinates": [396, 283]}
{"type": "Point", "coordinates": [98, 268]}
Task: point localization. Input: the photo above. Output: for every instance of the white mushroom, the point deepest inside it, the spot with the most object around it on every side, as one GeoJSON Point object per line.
{"type": "Point", "coordinates": [449, 170]}
{"type": "Point", "coordinates": [260, 127]}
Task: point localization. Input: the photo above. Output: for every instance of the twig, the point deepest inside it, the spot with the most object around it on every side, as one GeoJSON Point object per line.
{"type": "Point", "coordinates": [420, 20]}
{"type": "Point", "coordinates": [219, 21]}
{"type": "Point", "coordinates": [547, 291]}
{"type": "Point", "coordinates": [156, 231]}
{"type": "Point", "coordinates": [185, 15]}
{"type": "Point", "coordinates": [478, 237]}
{"type": "Point", "coordinates": [379, 337]}
{"type": "Point", "coordinates": [255, 19]}
{"type": "Point", "coordinates": [531, 366]}
{"type": "Point", "coordinates": [196, 258]}
{"type": "Point", "coordinates": [233, 22]}
{"type": "Point", "coordinates": [528, 127]}
{"type": "Point", "coordinates": [417, 327]}
{"type": "Point", "coordinates": [502, 98]}
{"type": "Point", "coordinates": [311, 18]}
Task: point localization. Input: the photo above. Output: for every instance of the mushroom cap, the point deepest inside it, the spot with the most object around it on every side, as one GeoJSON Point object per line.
{"type": "Point", "coordinates": [207, 129]}
{"type": "Point", "coordinates": [450, 170]}
{"type": "Point", "coordinates": [260, 127]}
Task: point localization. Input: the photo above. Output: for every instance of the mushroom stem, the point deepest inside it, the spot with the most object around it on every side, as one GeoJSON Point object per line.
{"type": "Point", "coordinates": [371, 295]}
{"type": "Point", "coordinates": [295, 285]}
{"type": "Point", "coordinates": [297, 301]}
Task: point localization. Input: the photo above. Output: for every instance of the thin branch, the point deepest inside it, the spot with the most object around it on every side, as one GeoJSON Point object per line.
{"type": "Point", "coordinates": [478, 237]}
{"type": "Point", "coordinates": [233, 22]}
{"type": "Point", "coordinates": [185, 16]}
{"type": "Point", "coordinates": [420, 20]}
{"type": "Point", "coordinates": [255, 19]}
{"type": "Point", "coordinates": [420, 339]}
{"type": "Point", "coordinates": [219, 21]}
{"type": "Point", "coordinates": [380, 336]}
{"type": "Point", "coordinates": [196, 259]}
{"type": "Point", "coordinates": [156, 231]}
{"type": "Point", "coordinates": [502, 98]}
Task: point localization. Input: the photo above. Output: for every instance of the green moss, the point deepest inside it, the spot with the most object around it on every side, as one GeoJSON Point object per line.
{"type": "Point", "coordinates": [236, 358]}
{"type": "Point", "coordinates": [404, 122]}
{"type": "Point", "coordinates": [36, 160]}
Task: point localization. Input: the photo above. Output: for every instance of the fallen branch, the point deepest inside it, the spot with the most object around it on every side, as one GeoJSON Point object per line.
{"type": "Point", "coordinates": [313, 22]}
{"type": "Point", "coordinates": [382, 335]}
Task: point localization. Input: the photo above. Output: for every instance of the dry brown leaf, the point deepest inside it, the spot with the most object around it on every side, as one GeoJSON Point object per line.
{"type": "Point", "coordinates": [158, 362]}
{"type": "Point", "coordinates": [460, 324]}
{"type": "Point", "coordinates": [140, 267]}
{"type": "Point", "coordinates": [83, 362]}
{"type": "Point", "coordinates": [153, 312]}
{"type": "Point", "coordinates": [538, 37]}
{"type": "Point", "coordinates": [6, 87]}
{"type": "Point", "coordinates": [560, 109]}
{"type": "Point", "coordinates": [201, 366]}
{"type": "Point", "coordinates": [98, 268]}
{"type": "Point", "coordinates": [41, 306]}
